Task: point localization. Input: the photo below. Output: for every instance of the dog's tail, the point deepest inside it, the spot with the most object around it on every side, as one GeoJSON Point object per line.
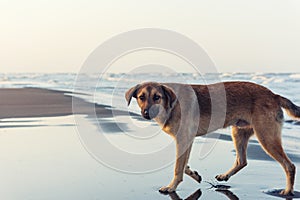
{"type": "Point", "coordinates": [291, 109]}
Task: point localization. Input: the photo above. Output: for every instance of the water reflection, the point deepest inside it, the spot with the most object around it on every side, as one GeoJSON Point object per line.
{"type": "Point", "coordinates": [197, 194]}
{"type": "Point", "coordinates": [194, 196]}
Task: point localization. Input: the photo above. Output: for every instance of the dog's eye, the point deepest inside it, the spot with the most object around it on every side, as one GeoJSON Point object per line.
{"type": "Point", "coordinates": [156, 98]}
{"type": "Point", "coordinates": [142, 98]}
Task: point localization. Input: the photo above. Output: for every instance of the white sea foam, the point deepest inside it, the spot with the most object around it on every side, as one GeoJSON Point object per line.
{"type": "Point", "coordinates": [295, 76]}
{"type": "Point", "coordinates": [227, 75]}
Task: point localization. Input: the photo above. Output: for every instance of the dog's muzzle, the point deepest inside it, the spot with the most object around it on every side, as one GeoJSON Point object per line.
{"type": "Point", "coordinates": [150, 113]}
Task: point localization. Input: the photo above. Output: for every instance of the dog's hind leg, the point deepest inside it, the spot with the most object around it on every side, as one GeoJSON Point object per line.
{"type": "Point", "coordinates": [269, 136]}
{"type": "Point", "coordinates": [240, 138]}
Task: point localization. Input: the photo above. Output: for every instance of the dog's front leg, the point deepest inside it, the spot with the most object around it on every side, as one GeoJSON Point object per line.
{"type": "Point", "coordinates": [182, 153]}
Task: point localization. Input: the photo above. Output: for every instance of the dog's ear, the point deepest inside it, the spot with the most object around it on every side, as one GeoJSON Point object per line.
{"type": "Point", "coordinates": [170, 94]}
{"type": "Point", "coordinates": [131, 93]}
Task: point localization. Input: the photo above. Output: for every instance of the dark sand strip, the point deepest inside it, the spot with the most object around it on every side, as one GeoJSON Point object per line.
{"type": "Point", "coordinates": [35, 102]}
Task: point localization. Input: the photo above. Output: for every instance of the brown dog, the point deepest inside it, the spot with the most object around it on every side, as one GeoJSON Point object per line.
{"type": "Point", "coordinates": [186, 111]}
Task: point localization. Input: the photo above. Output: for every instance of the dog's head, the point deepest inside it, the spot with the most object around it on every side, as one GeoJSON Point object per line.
{"type": "Point", "coordinates": [153, 98]}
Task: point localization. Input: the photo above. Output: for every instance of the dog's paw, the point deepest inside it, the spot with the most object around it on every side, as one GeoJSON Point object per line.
{"type": "Point", "coordinates": [166, 189]}
{"type": "Point", "coordinates": [198, 178]}
{"type": "Point", "coordinates": [287, 193]}
{"type": "Point", "coordinates": [222, 177]}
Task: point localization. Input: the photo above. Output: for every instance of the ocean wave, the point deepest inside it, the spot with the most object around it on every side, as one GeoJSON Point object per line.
{"type": "Point", "coordinates": [4, 79]}
{"type": "Point", "coordinates": [262, 79]}
{"type": "Point", "coordinates": [295, 76]}
{"type": "Point", "coordinates": [227, 75]}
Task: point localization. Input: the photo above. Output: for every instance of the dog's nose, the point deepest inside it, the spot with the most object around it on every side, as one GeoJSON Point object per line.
{"type": "Point", "coordinates": [146, 112]}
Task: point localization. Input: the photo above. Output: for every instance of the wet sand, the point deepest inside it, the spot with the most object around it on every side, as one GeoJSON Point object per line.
{"type": "Point", "coordinates": [42, 157]}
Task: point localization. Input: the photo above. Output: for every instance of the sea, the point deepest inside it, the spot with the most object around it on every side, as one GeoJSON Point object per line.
{"type": "Point", "coordinates": [109, 89]}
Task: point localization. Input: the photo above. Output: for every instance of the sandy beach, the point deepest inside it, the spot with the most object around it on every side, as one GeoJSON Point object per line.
{"type": "Point", "coordinates": [42, 157]}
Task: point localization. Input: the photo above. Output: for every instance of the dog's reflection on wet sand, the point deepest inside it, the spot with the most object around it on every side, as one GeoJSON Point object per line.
{"type": "Point", "coordinates": [197, 194]}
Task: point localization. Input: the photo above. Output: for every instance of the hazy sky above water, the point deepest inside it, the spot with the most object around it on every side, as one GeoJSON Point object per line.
{"type": "Point", "coordinates": [240, 36]}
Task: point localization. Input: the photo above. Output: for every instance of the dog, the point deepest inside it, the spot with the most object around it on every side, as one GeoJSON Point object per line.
{"type": "Point", "coordinates": [185, 111]}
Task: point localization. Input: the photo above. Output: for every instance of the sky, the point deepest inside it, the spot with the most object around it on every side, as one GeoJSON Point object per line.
{"type": "Point", "coordinates": [239, 36]}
